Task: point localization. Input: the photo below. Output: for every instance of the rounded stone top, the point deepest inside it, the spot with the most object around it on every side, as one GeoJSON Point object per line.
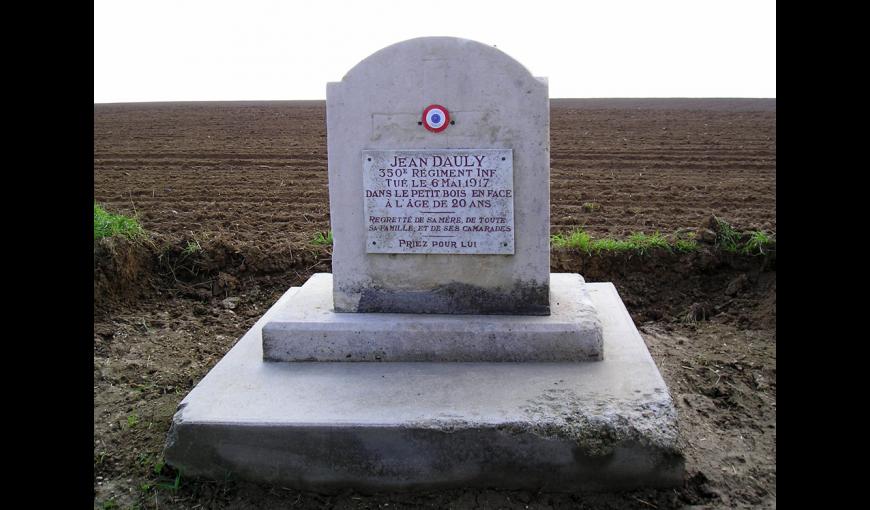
{"type": "Point", "coordinates": [408, 54]}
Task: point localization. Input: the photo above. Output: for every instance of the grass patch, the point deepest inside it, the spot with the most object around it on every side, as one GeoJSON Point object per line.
{"type": "Point", "coordinates": [642, 243]}
{"type": "Point", "coordinates": [609, 244]}
{"type": "Point", "coordinates": [158, 466]}
{"type": "Point", "coordinates": [322, 239]}
{"type": "Point", "coordinates": [685, 245]}
{"type": "Point", "coordinates": [192, 247]}
{"type": "Point", "coordinates": [174, 486]}
{"type": "Point", "coordinates": [637, 242]}
{"type": "Point", "coordinates": [727, 238]}
{"type": "Point", "coordinates": [758, 244]}
{"type": "Point", "coordinates": [107, 224]}
{"type": "Point", "coordinates": [577, 239]}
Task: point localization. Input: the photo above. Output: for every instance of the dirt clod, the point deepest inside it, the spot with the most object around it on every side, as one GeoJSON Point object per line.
{"type": "Point", "coordinates": [230, 303]}
{"type": "Point", "coordinates": [737, 285]}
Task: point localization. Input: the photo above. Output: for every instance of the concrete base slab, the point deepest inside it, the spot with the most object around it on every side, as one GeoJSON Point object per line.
{"type": "Point", "coordinates": [307, 329]}
{"type": "Point", "coordinates": [555, 426]}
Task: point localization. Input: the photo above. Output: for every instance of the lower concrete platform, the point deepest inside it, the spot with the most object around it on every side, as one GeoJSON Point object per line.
{"type": "Point", "coordinates": [306, 329]}
{"type": "Point", "coordinates": [556, 426]}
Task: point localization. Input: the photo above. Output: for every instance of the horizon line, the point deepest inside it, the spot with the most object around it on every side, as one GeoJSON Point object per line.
{"type": "Point", "coordinates": [748, 98]}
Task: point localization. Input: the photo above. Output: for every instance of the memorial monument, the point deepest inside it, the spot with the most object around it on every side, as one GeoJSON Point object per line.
{"type": "Point", "coordinates": [441, 351]}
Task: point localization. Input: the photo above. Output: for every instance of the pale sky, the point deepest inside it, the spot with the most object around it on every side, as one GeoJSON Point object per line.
{"type": "Point", "coordinates": [177, 50]}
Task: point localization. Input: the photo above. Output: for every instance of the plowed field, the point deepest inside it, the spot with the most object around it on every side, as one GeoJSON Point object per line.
{"type": "Point", "coordinates": [258, 171]}
{"type": "Point", "coordinates": [249, 180]}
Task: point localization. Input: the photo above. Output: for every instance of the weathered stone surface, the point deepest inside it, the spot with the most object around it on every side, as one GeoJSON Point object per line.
{"type": "Point", "coordinates": [523, 298]}
{"type": "Point", "coordinates": [495, 104]}
{"type": "Point", "coordinates": [306, 329]}
{"type": "Point", "coordinates": [383, 426]}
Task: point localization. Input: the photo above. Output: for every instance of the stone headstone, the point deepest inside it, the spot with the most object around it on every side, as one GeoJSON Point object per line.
{"type": "Point", "coordinates": [447, 133]}
{"type": "Point", "coordinates": [446, 212]}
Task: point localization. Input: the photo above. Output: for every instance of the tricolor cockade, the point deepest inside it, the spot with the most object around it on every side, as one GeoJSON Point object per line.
{"type": "Point", "coordinates": [436, 118]}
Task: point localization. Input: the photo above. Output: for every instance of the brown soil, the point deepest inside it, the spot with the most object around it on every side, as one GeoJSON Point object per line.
{"type": "Point", "coordinates": [247, 181]}
{"type": "Point", "coordinates": [255, 173]}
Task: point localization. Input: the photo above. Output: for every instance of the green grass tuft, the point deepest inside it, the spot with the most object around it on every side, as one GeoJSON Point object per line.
{"type": "Point", "coordinates": [578, 239]}
{"type": "Point", "coordinates": [609, 244]}
{"type": "Point", "coordinates": [321, 239]}
{"type": "Point", "coordinates": [757, 244]}
{"type": "Point", "coordinates": [174, 485]}
{"type": "Point", "coordinates": [727, 238]}
{"type": "Point", "coordinates": [685, 245]}
{"type": "Point", "coordinates": [192, 247]}
{"type": "Point", "coordinates": [731, 240]}
{"type": "Point", "coordinates": [642, 243]}
{"type": "Point", "coordinates": [107, 224]}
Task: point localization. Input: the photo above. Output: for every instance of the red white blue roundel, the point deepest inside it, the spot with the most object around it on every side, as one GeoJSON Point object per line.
{"type": "Point", "coordinates": [436, 118]}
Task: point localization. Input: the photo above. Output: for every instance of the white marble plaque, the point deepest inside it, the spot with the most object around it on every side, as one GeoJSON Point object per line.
{"type": "Point", "coordinates": [458, 201]}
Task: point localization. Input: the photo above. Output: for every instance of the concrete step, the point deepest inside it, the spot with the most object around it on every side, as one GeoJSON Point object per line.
{"type": "Point", "coordinates": [306, 329]}
{"type": "Point", "coordinates": [558, 426]}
